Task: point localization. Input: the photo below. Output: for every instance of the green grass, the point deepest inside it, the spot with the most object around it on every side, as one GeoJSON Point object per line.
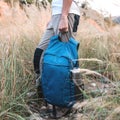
{"type": "Point", "coordinates": [16, 77]}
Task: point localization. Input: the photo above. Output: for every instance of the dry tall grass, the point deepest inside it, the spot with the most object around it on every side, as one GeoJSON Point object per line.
{"type": "Point", "coordinates": [104, 49]}
{"type": "Point", "coordinates": [20, 32]}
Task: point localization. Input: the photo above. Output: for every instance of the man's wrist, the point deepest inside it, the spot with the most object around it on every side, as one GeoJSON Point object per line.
{"type": "Point", "coordinates": [64, 15]}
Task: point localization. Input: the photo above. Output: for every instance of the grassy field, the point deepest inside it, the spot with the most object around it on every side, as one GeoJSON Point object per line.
{"type": "Point", "coordinates": [98, 53]}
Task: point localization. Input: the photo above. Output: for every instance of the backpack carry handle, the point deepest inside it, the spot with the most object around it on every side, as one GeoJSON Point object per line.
{"type": "Point", "coordinates": [63, 34]}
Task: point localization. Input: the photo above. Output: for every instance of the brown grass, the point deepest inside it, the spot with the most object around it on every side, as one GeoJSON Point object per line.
{"type": "Point", "coordinates": [20, 32]}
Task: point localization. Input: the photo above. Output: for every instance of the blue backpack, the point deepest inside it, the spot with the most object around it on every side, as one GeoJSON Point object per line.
{"type": "Point", "coordinates": [58, 59]}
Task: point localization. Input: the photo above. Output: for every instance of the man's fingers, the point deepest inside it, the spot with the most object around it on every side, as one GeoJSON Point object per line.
{"type": "Point", "coordinates": [63, 24]}
{"type": "Point", "coordinates": [63, 30]}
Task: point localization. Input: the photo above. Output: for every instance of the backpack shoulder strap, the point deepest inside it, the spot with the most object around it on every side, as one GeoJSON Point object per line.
{"type": "Point", "coordinates": [74, 42]}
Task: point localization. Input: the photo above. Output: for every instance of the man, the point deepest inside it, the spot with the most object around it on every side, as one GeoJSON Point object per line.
{"type": "Point", "coordinates": [64, 21]}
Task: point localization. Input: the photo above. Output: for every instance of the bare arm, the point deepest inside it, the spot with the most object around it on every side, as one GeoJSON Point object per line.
{"type": "Point", "coordinates": [63, 25]}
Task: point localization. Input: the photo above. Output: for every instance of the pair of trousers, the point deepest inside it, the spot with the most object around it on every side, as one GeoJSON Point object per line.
{"type": "Point", "coordinates": [52, 29]}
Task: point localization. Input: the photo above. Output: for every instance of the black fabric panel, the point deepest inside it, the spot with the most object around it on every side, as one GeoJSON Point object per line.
{"type": "Point", "coordinates": [36, 60]}
{"type": "Point", "coordinates": [76, 23]}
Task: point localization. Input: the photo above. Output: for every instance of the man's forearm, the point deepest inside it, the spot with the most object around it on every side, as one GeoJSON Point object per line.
{"type": "Point", "coordinates": [66, 7]}
{"type": "Point", "coordinates": [63, 24]}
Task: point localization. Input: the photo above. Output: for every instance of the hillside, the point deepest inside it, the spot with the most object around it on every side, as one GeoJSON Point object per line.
{"type": "Point", "coordinates": [17, 21]}
{"type": "Point", "coordinates": [116, 19]}
{"type": "Point", "coordinates": [31, 18]}
{"type": "Point", "coordinates": [20, 31]}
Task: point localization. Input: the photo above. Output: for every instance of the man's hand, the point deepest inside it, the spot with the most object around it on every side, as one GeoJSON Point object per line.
{"type": "Point", "coordinates": [63, 24]}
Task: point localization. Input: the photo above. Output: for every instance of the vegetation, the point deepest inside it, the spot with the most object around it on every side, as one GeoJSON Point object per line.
{"type": "Point", "coordinates": [16, 77]}
{"type": "Point", "coordinates": [12, 2]}
{"type": "Point", "coordinates": [100, 54]}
